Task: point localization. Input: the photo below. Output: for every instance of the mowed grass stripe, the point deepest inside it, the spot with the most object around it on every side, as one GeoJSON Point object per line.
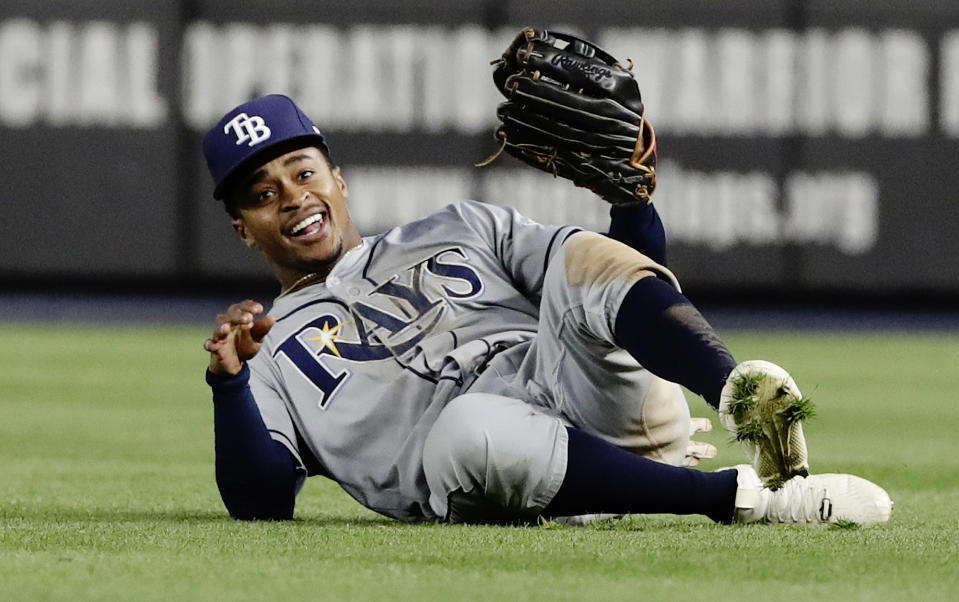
{"type": "Point", "coordinates": [106, 492]}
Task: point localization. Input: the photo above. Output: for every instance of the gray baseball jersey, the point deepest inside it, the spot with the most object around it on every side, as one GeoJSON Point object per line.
{"type": "Point", "coordinates": [357, 368]}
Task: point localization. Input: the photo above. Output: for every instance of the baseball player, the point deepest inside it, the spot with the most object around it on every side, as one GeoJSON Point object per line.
{"type": "Point", "coordinates": [475, 366]}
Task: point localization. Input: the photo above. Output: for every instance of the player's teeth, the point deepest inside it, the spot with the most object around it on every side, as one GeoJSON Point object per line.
{"type": "Point", "coordinates": [303, 224]}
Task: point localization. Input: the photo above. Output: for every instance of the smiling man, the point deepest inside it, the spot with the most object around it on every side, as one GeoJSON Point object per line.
{"type": "Point", "coordinates": [475, 366]}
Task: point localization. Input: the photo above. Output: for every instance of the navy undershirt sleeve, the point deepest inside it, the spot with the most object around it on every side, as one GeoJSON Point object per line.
{"type": "Point", "coordinates": [669, 337]}
{"type": "Point", "coordinates": [257, 476]}
{"type": "Point", "coordinates": [639, 227]}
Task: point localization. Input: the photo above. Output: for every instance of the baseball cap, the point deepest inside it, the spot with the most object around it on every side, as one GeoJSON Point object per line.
{"type": "Point", "coordinates": [254, 133]}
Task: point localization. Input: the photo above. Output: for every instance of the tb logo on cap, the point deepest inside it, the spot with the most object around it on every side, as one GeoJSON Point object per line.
{"type": "Point", "coordinates": [247, 128]}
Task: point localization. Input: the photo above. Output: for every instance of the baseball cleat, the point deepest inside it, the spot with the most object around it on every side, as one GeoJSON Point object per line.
{"type": "Point", "coordinates": [763, 408]}
{"type": "Point", "coordinates": [822, 498]}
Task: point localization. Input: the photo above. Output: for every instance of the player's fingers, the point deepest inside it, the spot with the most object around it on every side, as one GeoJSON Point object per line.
{"type": "Point", "coordinates": [234, 339]}
{"type": "Point", "coordinates": [237, 315]}
{"type": "Point", "coordinates": [697, 451]}
{"type": "Point", "coordinates": [259, 329]}
{"type": "Point", "coordinates": [246, 345]}
{"type": "Point", "coordinates": [251, 306]}
{"type": "Point", "coordinates": [224, 325]}
{"type": "Point", "coordinates": [240, 317]}
{"type": "Point", "coordinates": [215, 344]}
{"type": "Point", "coordinates": [240, 313]}
{"type": "Point", "coordinates": [222, 330]}
{"type": "Point", "coordinates": [218, 331]}
{"type": "Point", "coordinates": [699, 425]}
{"type": "Point", "coordinates": [245, 310]}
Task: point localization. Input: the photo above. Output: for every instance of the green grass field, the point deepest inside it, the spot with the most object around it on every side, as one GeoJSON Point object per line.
{"type": "Point", "coordinates": [107, 492]}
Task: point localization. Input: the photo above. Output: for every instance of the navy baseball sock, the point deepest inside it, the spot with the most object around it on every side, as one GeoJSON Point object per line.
{"type": "Point", "coordinates": [601, 477]}
{"type": "Point", "coordinates": [670, 338]}
{"type": "Point", "coordinates": [639, 227]}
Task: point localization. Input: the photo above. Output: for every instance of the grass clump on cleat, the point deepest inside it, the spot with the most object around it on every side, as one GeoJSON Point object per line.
{"type": "Point", "coordinates": [762, 407]}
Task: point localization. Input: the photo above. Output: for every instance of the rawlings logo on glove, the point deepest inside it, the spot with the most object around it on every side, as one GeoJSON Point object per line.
{"type": "Point", "coordinates": [570, 64]}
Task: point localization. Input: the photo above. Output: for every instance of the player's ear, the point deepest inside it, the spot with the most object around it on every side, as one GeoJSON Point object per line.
{"type": "Point", "coordinates": [241, 230]}
{"type": "Point", "coordinates": [340, 182]}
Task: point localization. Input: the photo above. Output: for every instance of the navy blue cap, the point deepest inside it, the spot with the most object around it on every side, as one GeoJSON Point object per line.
{"type": "Point", "coordinates": [245, 136]}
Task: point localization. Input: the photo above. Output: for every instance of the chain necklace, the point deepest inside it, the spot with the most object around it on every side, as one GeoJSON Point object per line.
{"type": "Point", "coordinates": [304, 279]}
{"type": "Point", "coordinates": [300, 281]}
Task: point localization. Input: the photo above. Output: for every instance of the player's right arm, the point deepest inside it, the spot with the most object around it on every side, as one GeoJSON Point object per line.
{"type": "Point", "coordinates": [256, 475]}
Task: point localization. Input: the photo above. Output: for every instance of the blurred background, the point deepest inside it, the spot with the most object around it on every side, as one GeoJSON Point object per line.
{"type": "Point", "coordinates": [808, 149]}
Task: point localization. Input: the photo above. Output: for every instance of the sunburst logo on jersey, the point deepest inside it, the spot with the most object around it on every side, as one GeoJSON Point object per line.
{"type": "Point", "coordinates": [327, 338]}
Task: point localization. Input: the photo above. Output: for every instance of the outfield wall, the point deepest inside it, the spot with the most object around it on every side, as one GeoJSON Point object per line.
{"type": "Point", "coordinates": [803, 147]}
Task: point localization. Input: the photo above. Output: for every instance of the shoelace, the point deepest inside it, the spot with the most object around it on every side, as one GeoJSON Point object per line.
{"type": "Point", "coordinates": [798, 501]}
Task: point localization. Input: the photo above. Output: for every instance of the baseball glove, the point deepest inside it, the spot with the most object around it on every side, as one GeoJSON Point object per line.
{"type": "Point", "coordinates": [574, 111]}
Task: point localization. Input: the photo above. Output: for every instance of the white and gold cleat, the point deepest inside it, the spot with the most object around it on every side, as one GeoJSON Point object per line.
{"type": "Point", "coordinates": [762, 407]}
{"type": "Point", "coordinates": [821, 498]}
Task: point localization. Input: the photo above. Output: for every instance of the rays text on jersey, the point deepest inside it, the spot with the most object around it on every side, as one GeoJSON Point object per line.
{"type": "Point", "coordinates": [388, 321]}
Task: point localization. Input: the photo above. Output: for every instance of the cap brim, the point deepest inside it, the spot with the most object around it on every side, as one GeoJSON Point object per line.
{"type": "Point", "coordinates": [264, 156]}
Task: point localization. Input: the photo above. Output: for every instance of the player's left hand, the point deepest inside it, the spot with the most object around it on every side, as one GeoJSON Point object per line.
{"type": "Point", "coordinates": [573, 110]}
{"type": "Point", "coordinates": [697, 451]}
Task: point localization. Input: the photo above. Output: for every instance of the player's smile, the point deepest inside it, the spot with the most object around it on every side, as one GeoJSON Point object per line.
{"type": "Point", "coordinates": [311, 228]}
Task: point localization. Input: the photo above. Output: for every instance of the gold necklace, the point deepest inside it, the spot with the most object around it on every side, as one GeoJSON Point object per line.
{"type": "Point", "coordinates": [311, 275]}
{"type": "Point", "coordinates": [297, 284]}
